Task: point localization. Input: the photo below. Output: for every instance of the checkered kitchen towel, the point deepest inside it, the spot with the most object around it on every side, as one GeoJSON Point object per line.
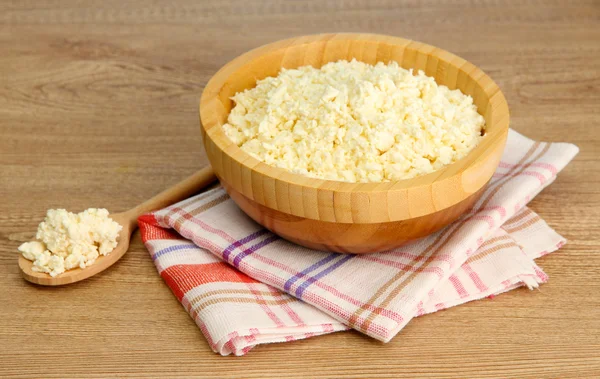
{"type": "Point", "coordinates": [245, 286]}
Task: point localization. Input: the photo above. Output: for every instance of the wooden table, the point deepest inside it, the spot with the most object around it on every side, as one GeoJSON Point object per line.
{"type": "Point", "coordinates": [98, 107]}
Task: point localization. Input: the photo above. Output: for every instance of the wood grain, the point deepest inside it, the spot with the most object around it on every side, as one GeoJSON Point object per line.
{"type": "Point", "coordinates": [99, 99]}
{"type": "Point", "coordinates": [351, 217]}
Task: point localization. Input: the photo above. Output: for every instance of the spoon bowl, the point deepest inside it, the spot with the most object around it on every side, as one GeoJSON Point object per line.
{"type": "Point", "coordinates": [102, 262]}
{"type": "Point", "coordinates": [128, 220]}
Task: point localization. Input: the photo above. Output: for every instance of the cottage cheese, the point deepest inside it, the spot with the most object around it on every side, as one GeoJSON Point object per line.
{"type": "Point", "coordinates": [354, 122]}
{"type": "Point", "coordinates": [67, 240]}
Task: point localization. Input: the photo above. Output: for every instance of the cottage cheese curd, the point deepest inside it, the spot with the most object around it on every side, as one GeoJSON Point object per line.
{"type": "Point", "coordinates": [67, 240]}
{"type": "Point", "coordinates": [354, 122]}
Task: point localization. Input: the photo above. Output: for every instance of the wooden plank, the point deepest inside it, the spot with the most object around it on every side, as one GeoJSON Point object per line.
{"type": "Point", "coordinates": [98, 107]}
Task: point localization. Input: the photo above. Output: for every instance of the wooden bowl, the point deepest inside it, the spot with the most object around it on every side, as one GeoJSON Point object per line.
{"type": "Point", "coordinates": [351, 217]}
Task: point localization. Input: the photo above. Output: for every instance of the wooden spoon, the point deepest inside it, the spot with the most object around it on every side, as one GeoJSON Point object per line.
{"type": "Point", "coordinates": [128, 221]}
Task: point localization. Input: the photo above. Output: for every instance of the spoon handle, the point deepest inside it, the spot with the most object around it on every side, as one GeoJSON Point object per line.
{"type": "Point", "coordinates": [182, 190]}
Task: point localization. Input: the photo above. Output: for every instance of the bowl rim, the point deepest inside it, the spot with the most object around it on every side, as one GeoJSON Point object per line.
{"type": "Point", "coordinates": [212, 127]}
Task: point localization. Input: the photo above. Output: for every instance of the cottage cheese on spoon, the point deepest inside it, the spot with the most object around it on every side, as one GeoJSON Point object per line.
{"type": "Point", "coordinates": [67, 240]}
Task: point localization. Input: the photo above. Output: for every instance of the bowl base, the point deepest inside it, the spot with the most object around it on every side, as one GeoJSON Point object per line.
{"type": "Point", "coordinates": [353, 238]}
